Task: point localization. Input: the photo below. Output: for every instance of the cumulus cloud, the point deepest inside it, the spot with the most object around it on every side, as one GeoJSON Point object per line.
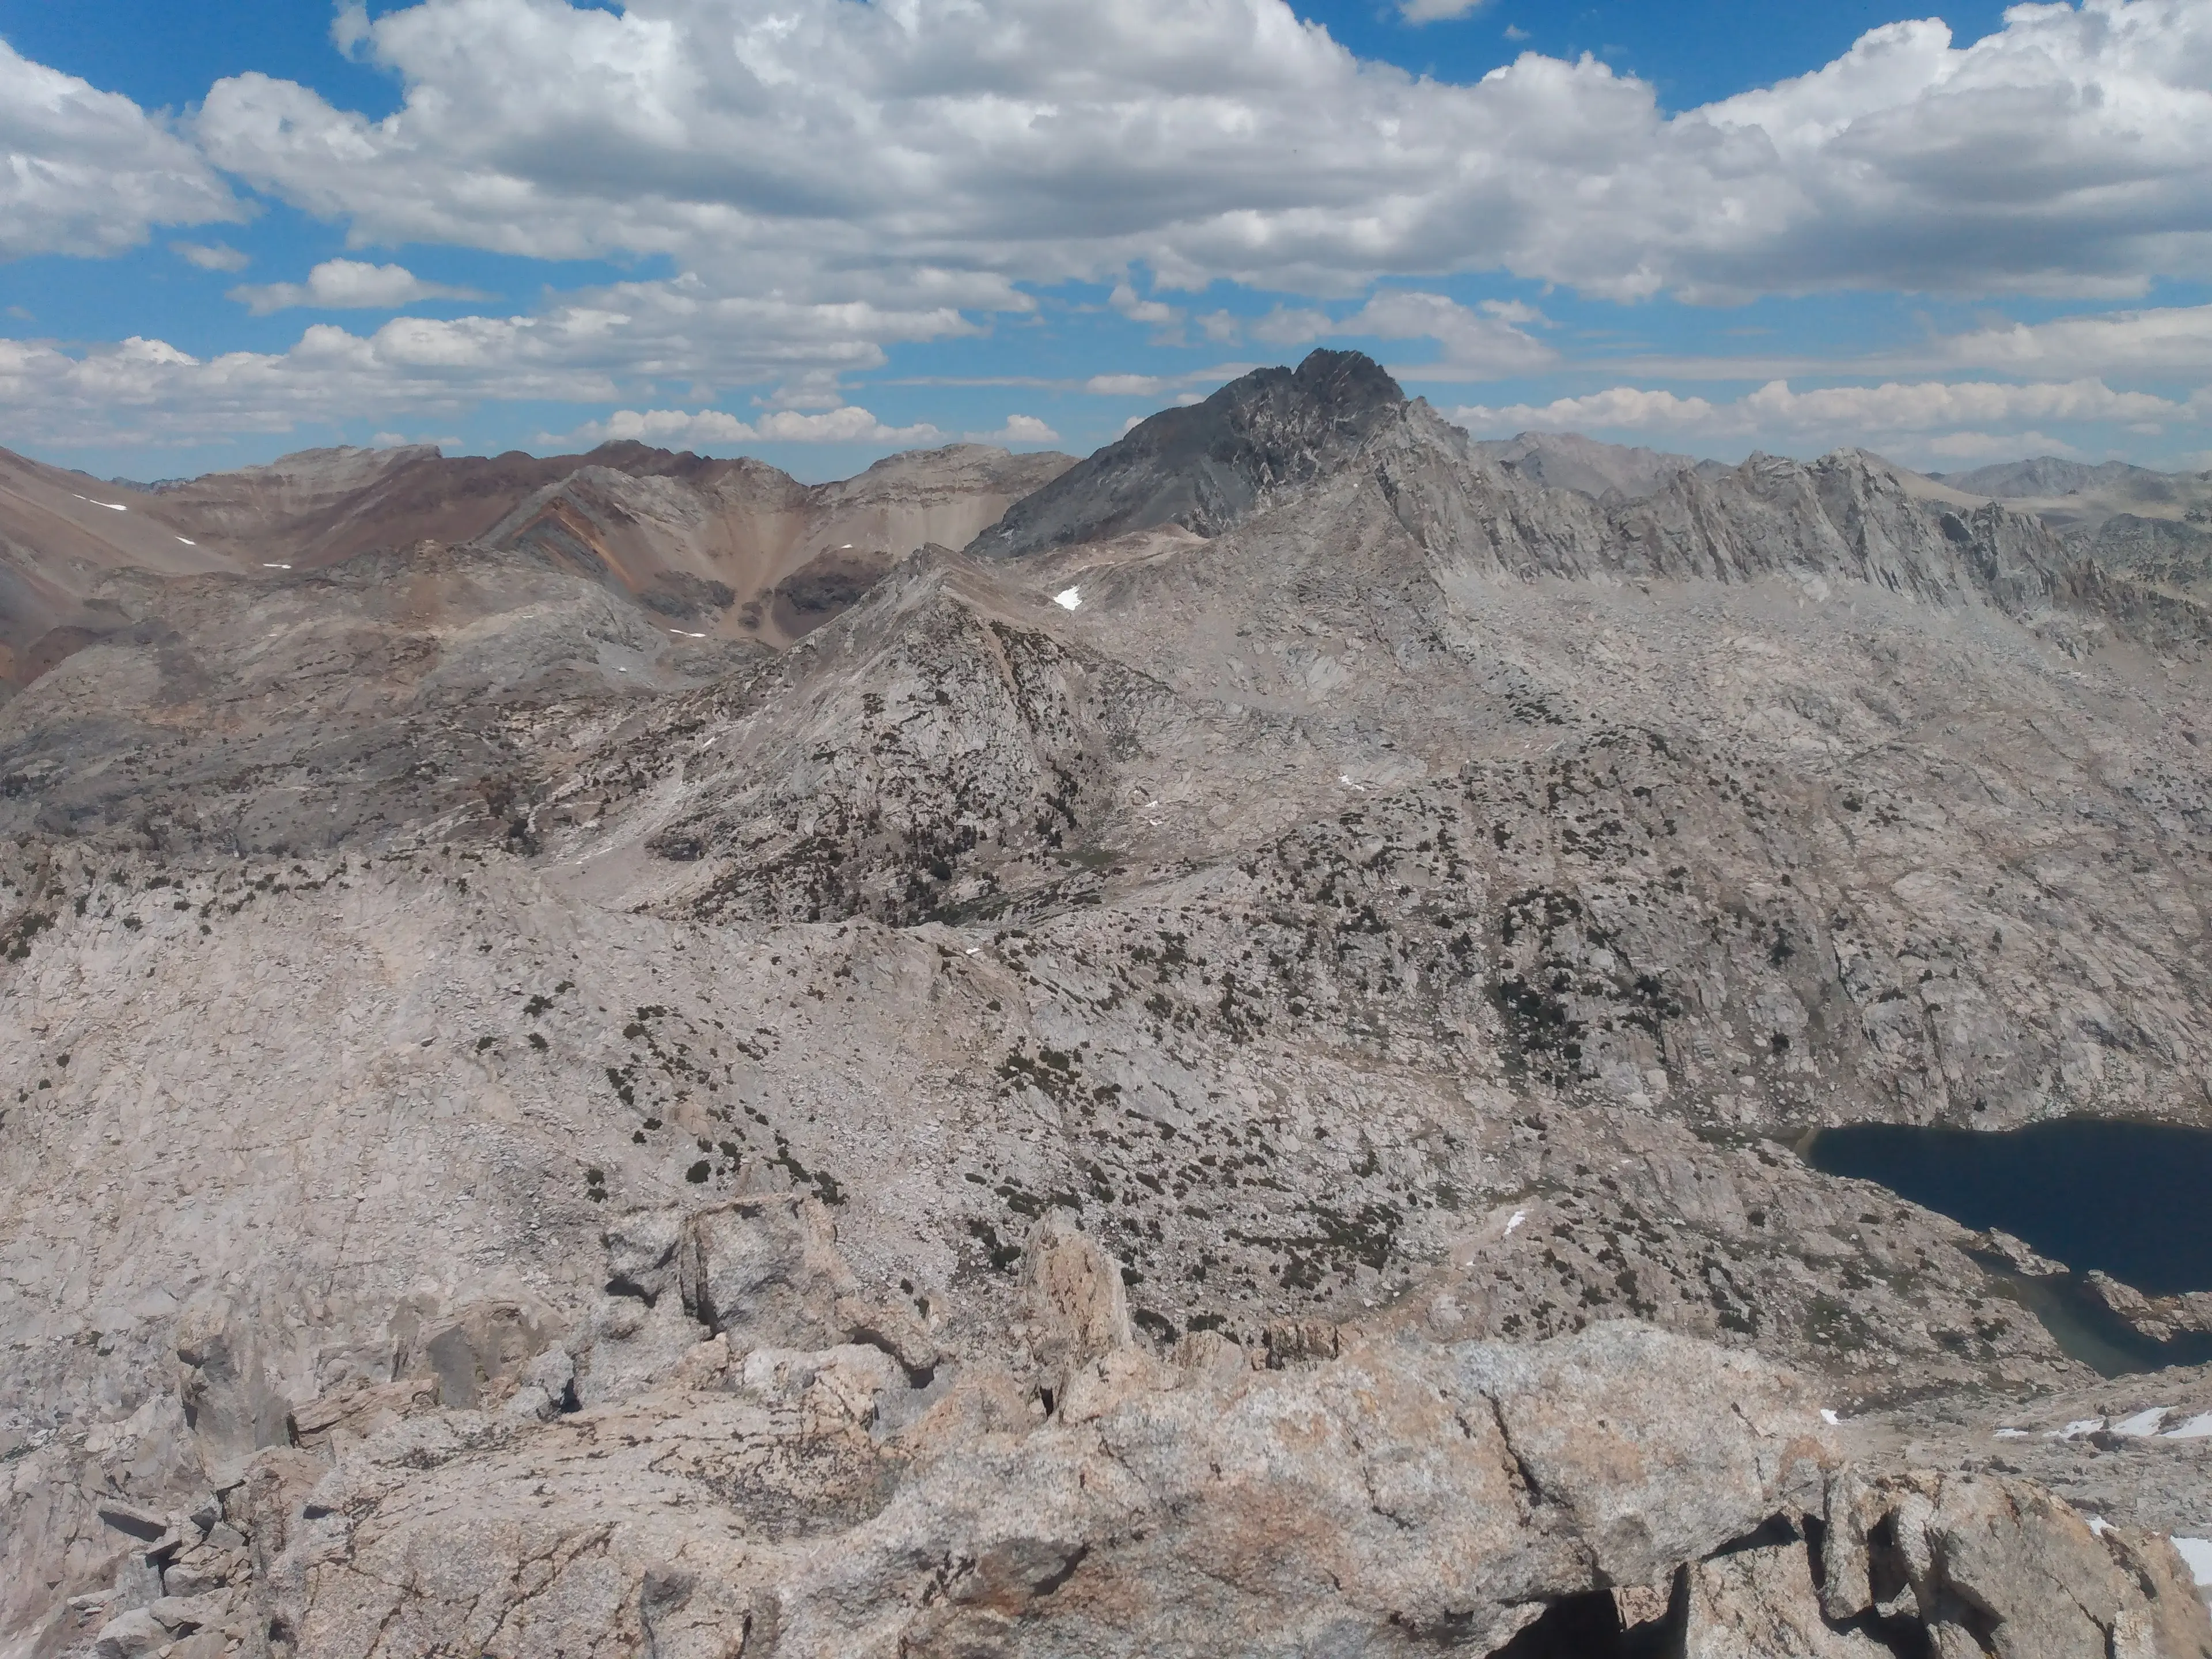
{"type": "Point", "coordinates": [1437, 11]}
{"type": "Point", "coordinates": [2176, 340]}
{"type": "Point", "coordinates": [908, 149]}
{"type": "Point", "coordinates": [148, 391]}
{"type": "Point", "coordinates": [837, 179]}
{"type": "Point", "coordinates": [713, 429]}
{"type": "Point", "coordinates": [1896, 407]}
{"type": "Point", "coordinates": [1018, 429]}
{"type": "Point", "coordinates": [1483, 342]}
{"type": "Point", "coordinates": [597, 346]}
{"type": "Point", "coordinates": [348, 285]}
{"type": "Point", "coordinates": [210, 256]}
{"type": "Point", "coordinates": [1126, 300]}
{"type": "Point", "coordinates": [87, 172]}
{"type": "Point", "coordinates": [1127, 386]}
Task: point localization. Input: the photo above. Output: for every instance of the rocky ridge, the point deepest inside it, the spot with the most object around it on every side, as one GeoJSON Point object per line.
{"type": "Point", "coordinates": [1208, 467]}
{"type": "Point", "coordinates": [941, 1089]}
{"type": "Point", "coordinates": [729, 549]}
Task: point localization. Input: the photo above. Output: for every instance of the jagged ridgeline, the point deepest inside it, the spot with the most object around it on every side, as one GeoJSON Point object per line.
{"type": "Point", "coordinates": [1190, 1052]}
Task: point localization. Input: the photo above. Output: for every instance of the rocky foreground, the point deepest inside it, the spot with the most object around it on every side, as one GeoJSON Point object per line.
{"type": "Point", "coordinates": [1215, 1070]}
{"type": "Point", "coordinates": [801, 1480]}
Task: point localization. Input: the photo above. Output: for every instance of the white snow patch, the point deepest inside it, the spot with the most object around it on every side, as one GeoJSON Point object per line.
{"type": "Point", "coordinates": [2198, 1551]}
{"type": "Point", "coordinates": [682, 634]}
{"type": "Point", "coordinates": [276, 566]}
{"type": "Point", "coordinates": [188, 543]}
{"type": "Point", "coordinates": [2012, 1434]}
{"type": "Point", "coordinates": [1068, 599]}
{"type": "Point", "coordinates": [2098, 1525]}
{"type": "Point", "coordinates": [1345, 778]}
{"type": "Point", "coordinates": [2142, 1425]}
{"type": "Point", "coordinates": [2197, 1428]}
{"type": "Point", "coordinates": [1829, 1417]}
{"type": "Point", "coordinates": [2076, 1429]}
{"type": "Point", "coordinates": [113, 507]}
{"type": "Point", "coordinates": [974, 949]}
{"type": "Point", "coordinates": [1519, 1216]}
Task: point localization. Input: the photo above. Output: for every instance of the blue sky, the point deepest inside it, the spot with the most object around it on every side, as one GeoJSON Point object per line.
{"type": "Point", "coordinates": [819, 230]}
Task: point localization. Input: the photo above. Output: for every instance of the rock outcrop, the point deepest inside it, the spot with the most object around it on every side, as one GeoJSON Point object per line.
{"type": "Point", "coordinates": [1211, 467]}
{"type": "Point", "coordinates": [1619, 1491]}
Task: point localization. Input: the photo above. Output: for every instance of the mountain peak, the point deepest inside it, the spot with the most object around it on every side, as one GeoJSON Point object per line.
{"type": "Point", "coordinates": [1210, 465]}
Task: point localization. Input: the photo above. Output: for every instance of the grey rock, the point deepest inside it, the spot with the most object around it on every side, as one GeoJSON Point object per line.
{"type": "Point", "coordinates": [1760, 1602]}
{"type": "Point", "coordinates": [132, 1636]}
{"type": "Point", "coordinates": [1210, 466]}
{"type": "Point", "coordinates": [766, 1272]}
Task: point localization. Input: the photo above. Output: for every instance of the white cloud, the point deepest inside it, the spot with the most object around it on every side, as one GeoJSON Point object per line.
{"type": "Point", "coordinates": [2173, 341]}
{"type": "Point", "coordinates": [1293, 325]}
{"type": "Point", "coordinates": [1437, 11]}
{"type": "Point", "coordinates": [1127, 386]}
{"type": "Point", "coordinates": [1018, 429]}
{"type": "Point", "coordinates": [210, 256]}
{"type": "Point", "coordinates": [1125, 299]}
{"type": "Point", "coordinates": [814, 388]}
{"type": "Point", "coordinates": [348, 285]}
{"type": "Point", "coordinates": [835, 179]}
{"type": "Point", "coordinates": [712, 428]}
{"type": "Point", "coordinates": [905, 151]}
{"type": "Point", "coordinates": [666, 428]}
{"type": "Point", "coordinates": [849, 425]}
{"type": "Point", "coordinates": [1479, 343]}
{"type": "Point", "coordinates": [87, 172]}
{"type": "Point", "coordinates": [599, 347]}
{"type": "Point", "coordinates": [1844, 412]}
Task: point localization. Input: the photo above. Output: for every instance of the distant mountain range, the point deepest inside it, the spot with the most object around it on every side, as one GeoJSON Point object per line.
{"type": "Point", "coordinates": [1191, 1052]}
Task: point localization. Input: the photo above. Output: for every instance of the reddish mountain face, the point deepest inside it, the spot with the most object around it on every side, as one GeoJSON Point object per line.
{"type": "Point", "coordinates": [708, 546]}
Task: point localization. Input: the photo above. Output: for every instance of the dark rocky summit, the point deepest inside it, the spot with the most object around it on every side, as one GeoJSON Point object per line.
{"type": "Point", "coordinates": [1209, 467]}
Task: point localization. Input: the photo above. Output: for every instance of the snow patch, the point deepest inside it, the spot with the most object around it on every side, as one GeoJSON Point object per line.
{"type": "Point", "coordinates": [276, 566]}
{"type": "Point", "coordinates": [2076, 1429]}
{"type": "Point", "coordinates": [188, 543]}
{"type": "Point", "coordinates": [2098, 1525]}
{"type": "Point", "coordinates": [2197, 1428]}
{"type": "Point", "coordinates": [1068, 599]}
{"type": "Point", "coordinates": [2142, 1425]}
{"type": "Point", "coordinates": [1829, 1417]}
{"type": "Point", "coordinates": [113, 507]}
{"type": "Point", "coordinates": [2198, 1551]}
{"type": "Point", "coordinates": [1519, 1216]}
{"type": "Point", "coordinates": [2012, 1434]}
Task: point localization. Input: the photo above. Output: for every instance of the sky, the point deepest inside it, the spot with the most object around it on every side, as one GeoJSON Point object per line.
{"type": "Point", "coordinates": [819, 231]}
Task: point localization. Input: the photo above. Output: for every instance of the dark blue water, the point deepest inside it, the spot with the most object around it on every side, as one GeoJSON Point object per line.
{"type": "Point", "coordinates": [2131, 1199]}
